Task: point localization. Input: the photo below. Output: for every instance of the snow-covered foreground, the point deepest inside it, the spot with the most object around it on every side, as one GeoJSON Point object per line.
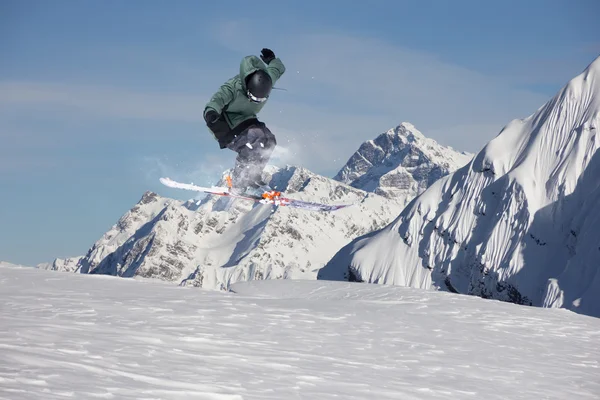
{"type": "Point", "coordinates": [85, 337]}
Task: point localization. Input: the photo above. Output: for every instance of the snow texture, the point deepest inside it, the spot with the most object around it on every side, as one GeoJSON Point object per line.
{"type": "Point", "coordinates": [519, 223]}
{"type": "Point", "coordinates": [97, 337]}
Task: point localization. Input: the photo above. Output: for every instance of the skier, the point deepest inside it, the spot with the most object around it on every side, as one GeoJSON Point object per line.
{"type": "Point", "coordinates": [231, 116]}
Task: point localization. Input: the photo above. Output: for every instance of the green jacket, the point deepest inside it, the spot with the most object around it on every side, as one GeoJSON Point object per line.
{"type": "Point", "coordinates": [231, 100]}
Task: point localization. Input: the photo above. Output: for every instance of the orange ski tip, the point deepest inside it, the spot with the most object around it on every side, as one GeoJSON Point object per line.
{"type": "Point", "coordinates": [271, 195]}
{"type": "Point", "coordinates": [228, 179]}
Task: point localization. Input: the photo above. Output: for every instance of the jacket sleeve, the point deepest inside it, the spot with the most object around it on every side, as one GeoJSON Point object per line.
{"type": "Point", "coordinates": [275, 69]}
{"type": "Point", "coordinates": [222, 97]}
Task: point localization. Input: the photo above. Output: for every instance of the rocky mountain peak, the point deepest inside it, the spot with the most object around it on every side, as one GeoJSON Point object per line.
{"type": "Point", "coordinates": [400, 164]}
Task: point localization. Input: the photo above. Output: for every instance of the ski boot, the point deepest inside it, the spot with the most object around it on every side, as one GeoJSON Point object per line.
{"type": "Point", "coordinates": [271, 196]}
{"type": "Point", "coordinates": [255, 189]}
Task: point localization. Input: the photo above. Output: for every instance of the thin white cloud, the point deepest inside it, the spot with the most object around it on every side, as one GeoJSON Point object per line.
{"type": "Point", "coordinates": [103, 101]}
{"type": "Point", "coordinates": [370, 76]}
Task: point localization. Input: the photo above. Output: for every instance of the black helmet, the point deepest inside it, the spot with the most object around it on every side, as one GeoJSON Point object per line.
{"type": "Point", "coordinates": [259, 86]}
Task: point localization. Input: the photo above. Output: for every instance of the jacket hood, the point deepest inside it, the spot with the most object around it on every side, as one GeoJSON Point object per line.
{"type": "Point", "coordinates": [249, 65]}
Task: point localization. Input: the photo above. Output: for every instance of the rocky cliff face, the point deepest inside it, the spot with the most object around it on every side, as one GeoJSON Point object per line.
{"type": "Point", "coordinates": [400, 164]}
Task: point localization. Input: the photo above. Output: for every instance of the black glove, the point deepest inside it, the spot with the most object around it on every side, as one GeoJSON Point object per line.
{"type": "Point", "coordinates": [211, 116]}
{"type": "Point", "coordinates": [267, 55]}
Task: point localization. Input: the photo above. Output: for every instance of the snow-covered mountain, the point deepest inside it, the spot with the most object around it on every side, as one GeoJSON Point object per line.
{"type": "Point", "coordinates": [520, 222]}
{"type": "Point", "coordinates": [400, 164]}
{"type": "Point", "coordinates": [62, 264]}
{"type": "Point", "coordinates": [216, 242]}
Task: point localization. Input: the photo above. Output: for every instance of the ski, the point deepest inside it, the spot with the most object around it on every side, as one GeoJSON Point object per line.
{"type": "Point", "coordinates": [274, 198]}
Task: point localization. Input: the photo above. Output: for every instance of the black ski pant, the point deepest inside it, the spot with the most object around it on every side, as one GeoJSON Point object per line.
{"type": "Point", "coordinates": [254, 146]}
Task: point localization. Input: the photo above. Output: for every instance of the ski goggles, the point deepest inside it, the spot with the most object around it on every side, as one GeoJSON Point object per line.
{"type": "Point", "coordinates": [256, 99]}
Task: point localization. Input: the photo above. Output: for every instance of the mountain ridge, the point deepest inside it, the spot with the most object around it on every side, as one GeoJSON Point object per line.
{"type": "Point", "coordinates": [518, 223]}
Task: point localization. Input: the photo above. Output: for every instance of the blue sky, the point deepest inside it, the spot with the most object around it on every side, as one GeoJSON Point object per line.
{"type": "Point", "coordinates": [98, 99]}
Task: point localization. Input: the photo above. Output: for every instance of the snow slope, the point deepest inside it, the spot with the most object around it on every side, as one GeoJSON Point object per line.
{"type": "Point", "coordinates": [217, 242]}
{"type": "Point", "coordinates": [7, 264]}
{"type": "Point", "coordinates": [400, 164]}
{"type": "Point", "coordinates": [89, 337]}
{"type": "Point", "coordinates": [520, 222]}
